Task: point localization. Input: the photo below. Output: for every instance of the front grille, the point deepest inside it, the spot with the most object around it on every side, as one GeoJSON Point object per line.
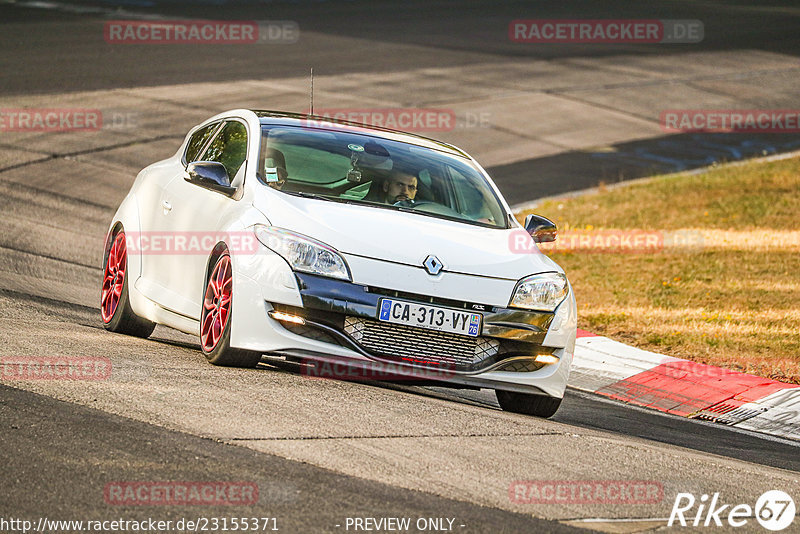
{"type": "Point", "coordinates": [420, 346]}
{"type": "Point", "coordinates": [527, 365]}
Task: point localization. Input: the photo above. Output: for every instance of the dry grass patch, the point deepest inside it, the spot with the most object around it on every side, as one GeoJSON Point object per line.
{"type": "Point", "coordinates": [732, 302]}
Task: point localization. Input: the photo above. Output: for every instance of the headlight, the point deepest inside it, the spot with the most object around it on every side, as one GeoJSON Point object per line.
{"type": "Point", "coordinates": [542, 292]}
{"type": "Point", "coordinates": [303, 253]}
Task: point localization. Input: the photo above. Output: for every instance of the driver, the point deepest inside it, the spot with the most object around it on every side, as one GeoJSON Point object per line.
{"type": "Point", "coordinates": [399, 188]}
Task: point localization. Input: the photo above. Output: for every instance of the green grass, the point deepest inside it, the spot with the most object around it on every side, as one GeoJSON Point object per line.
{"type": "Point", "coordinates": [731, 306]}
{"type": "Point", "coordinates": [753, 195]}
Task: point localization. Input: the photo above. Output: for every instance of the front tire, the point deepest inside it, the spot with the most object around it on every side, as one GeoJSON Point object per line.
{"type": "Point", "coordinates": [115, 306]}
{"type": "Point", "coordinates": [528, 404]}
{"type": "Point", "coordinates": [215, 321]}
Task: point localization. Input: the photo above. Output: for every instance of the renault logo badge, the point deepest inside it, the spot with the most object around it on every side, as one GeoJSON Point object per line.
{"type": "Point", "coordinates": [433, 265]}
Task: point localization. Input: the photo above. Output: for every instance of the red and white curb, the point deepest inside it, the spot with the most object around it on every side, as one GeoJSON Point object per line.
{"type": "Point", "coordinates": [682, 387]}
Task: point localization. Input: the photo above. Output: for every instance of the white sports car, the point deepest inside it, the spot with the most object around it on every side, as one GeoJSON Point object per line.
{"type": "Point", "coordinates": [341, 246]}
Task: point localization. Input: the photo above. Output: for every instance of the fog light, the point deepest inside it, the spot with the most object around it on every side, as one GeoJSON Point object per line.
{"type": "Point", "coordinates": [287, 317]}
{"type": "Point", "coordinates": [546, 358]}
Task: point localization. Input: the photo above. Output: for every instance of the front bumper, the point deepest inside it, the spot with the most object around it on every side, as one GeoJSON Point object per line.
{"type": "Point", "coordinates": [325, 304]}
{"type": "Point", "coordinates": [335, 306]}
{"type": "Point", "coordinates": [509, 342]}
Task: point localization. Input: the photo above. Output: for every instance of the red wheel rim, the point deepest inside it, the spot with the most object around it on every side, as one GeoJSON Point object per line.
{"type": "Point", "coordinates": [113, 277]}
{"type": "Point", "coordinates": [216, 304]}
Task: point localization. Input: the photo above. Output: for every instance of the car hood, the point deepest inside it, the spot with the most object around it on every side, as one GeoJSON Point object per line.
{"type": "Point", "coordinates": [403, 237]}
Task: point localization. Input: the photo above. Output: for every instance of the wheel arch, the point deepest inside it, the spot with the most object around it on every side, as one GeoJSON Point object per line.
{"type": "Point", "coordinates": [127, 218]}
{"type": "Point", "coordinates": [219, 249]}
{"type": "Point", "coordinates": [112, 231]}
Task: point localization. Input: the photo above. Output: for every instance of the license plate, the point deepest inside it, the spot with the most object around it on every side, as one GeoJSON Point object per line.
{"type": "Point", "coordinates": [430, 317]}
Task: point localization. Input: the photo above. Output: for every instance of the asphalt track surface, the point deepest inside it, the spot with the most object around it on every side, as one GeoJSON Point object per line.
{"type": "Point", "coordinates": [320, 451]}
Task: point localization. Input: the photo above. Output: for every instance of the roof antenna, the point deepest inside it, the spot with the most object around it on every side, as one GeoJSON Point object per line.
{"type": "Point", "coordinates": [311, 112]}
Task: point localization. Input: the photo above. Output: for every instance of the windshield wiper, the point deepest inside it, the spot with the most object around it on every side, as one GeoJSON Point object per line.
{"type": "Point", "coordinates": [308, 195]}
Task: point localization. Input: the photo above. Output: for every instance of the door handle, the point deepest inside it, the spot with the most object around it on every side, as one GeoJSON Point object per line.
{"type": "Point", "coordinates": [166, 205]}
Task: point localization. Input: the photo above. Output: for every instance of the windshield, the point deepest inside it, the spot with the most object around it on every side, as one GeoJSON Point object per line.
{"type": "Point", "coordinates": [358, 168]}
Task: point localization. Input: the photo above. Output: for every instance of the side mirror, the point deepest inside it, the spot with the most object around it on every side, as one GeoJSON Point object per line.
{"type": "Point", "coordinates": [210, 175]}
{"type": "Point", "coordinates": [542, 229]}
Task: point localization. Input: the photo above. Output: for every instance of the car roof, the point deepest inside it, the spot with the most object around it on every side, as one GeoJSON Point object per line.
{"type": "Point", "coordinates": [283, 118]}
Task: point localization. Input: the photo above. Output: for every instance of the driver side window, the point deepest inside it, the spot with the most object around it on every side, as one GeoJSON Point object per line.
{"type": "Point", "coordinates": [229, 147]}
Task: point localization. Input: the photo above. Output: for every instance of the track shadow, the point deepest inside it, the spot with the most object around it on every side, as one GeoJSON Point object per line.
{"type": "Point", "coordinates": [576, 170]}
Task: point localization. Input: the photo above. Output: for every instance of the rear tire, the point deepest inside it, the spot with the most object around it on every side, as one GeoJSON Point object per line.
{"type": "Point", "coordinates": [215, 322]}
{"type": "Point", "coordinates": [115, 306]}
{"type": "Point", "coordinates": [528, 404]}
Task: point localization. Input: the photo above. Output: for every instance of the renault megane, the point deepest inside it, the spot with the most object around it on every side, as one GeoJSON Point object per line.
{"type": "Point", "coordinates": [339, 243]}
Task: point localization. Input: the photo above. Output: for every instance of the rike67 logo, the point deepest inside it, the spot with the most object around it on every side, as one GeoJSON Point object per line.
{"type": "Point", "coordinates": [774, 511]}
